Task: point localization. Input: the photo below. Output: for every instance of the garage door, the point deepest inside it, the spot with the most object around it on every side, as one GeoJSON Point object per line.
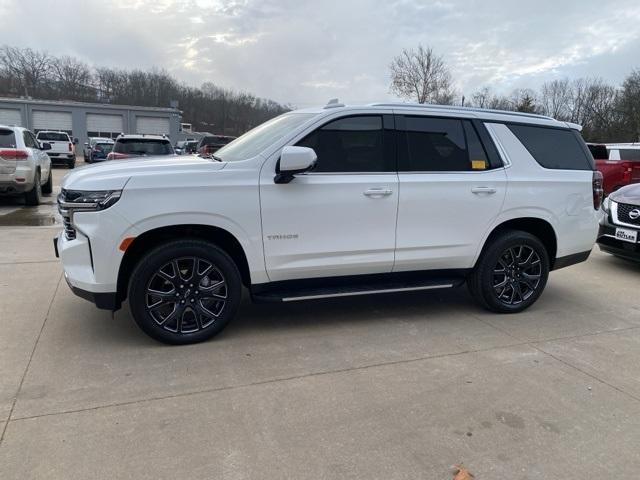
{"type": "Point", "coordinates": [10, 116]}
{"type": "Point", "coordinates": [101, 125]}
{"type": "Point", "coordinates": [47, 120]}
{"type": "Point", "coordinates": [152, 125]}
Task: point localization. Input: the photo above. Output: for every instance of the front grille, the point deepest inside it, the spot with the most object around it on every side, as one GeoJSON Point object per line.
{"type": "Point", "coordinates": [624, 209]}
{"type": "Point", "coordinates": [69, 230]}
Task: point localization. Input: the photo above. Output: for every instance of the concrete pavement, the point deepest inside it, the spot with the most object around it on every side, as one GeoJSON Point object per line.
{"type": "Point", "coordinates": [389, 387]}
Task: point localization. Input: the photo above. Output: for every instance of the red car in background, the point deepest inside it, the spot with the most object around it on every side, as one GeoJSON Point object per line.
{"type": "Point", "coordinates": [619, 164]}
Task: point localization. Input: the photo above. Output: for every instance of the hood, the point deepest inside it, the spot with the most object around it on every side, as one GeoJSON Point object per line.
{"type": "Point", "coordinates": [114, 174]}
{"type": "Point", "coordinates": [629, 194]}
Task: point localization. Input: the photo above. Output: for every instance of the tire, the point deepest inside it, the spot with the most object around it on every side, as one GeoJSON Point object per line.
{"type": "Point", "coordinates": [71, 164]}
{"type": "Point", "coordinates": [47, 188]}
{"type": "Point", "coordinates": [33, 196]}
{"type": "Point", "coordinates": [184, 312]}
{"type": "Point", "coordinates": [517, 288]}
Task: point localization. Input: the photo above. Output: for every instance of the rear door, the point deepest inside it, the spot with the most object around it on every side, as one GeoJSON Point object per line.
{"type": "Point", "coordinates": [452, 187]}
{"type": "Point", "coordinates": [339, 219]}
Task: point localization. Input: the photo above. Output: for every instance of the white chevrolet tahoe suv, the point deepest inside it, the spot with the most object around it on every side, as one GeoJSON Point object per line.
{"type": "Point", "coordinates": [334, 201]}
{"type": "Point", "coordinates": [25, 168]}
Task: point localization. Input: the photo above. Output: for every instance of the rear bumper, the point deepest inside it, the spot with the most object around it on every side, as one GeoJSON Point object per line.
{"type": "Point", "coordinates": [568, 260]}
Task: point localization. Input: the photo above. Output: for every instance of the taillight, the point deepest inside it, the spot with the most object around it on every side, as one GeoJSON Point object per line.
{"type": "Point", "coordinates": [598, 191]}
{"type": "Point", "coordinates": [70, 147]}
{"type": "Point", "coordinates": [116, 156]}
{"type": "Point", "coordinates": [627, 169]}
{"type": "Point", "coordinates": [13, 154]}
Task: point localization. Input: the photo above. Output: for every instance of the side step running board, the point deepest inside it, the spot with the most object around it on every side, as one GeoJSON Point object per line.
{"type": "Point", "coordinates": [313, 289]}
{"type": "Point", "coordinates": [364, 292]}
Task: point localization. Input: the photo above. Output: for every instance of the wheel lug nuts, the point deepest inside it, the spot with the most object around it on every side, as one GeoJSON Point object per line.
{"type": "Point", "coordinates": [192, 300]}
{"type": "Point", "coordinates": [181, 286]}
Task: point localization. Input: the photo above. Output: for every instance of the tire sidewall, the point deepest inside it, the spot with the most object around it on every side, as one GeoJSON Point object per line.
{"type": "Point", "coordinates": [160, 256]}
{"type": "Point", "coordinates": [489, 261]}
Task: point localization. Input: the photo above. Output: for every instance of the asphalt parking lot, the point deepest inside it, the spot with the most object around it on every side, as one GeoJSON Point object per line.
{"type": "Point", "coordinates": [397, 386]}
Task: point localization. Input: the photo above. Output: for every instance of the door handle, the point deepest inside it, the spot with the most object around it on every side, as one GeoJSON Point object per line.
{"type": "Point", "coordinates": [487, 190]}
{"type": "Point", "coordinates": [378, 192]}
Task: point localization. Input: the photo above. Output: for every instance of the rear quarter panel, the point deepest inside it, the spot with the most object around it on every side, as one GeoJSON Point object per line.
{"type": "Point", "coordinates": [564, 198]}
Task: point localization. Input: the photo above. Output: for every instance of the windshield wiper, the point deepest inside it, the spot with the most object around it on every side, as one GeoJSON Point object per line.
{"type": "Point", "coordinates": [215, 157]}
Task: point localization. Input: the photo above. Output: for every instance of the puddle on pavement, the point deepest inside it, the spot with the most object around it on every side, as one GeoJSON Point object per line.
{"type": "Point", "coordinates": [28, 217]}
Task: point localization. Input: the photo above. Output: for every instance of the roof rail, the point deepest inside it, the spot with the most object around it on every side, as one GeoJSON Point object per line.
{"type": "Point", "coordinates": [427, 106]}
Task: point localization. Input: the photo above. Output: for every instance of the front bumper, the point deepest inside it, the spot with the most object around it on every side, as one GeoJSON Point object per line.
{"type": "Point", "coordinates": [609, 244]}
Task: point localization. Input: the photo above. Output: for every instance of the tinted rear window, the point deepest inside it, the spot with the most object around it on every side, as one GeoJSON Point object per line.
{"type": "Point", "coordinates": [142, 146]}
{"type": "Point", "coordinates": [599, 152]}
{"type": "Point", "coordinates": [630, 154]}
{"type": "Point", "coordinates": [554, 148]}
{"type": "Point", "coordinates": [7, 139]}
{"type": "Point", "coordinates": [53, 137]}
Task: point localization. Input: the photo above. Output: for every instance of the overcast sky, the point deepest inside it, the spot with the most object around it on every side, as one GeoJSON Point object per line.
{"type": "Point", "coordinates": [305, 52]}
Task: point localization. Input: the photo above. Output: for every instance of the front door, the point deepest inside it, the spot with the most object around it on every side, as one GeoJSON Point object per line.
{"type": "Point", "coordinates": [339, 219]}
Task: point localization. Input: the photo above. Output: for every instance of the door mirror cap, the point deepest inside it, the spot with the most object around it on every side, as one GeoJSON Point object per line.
{"type": "Point", "coordinates": [45, 146]}
{"type": "Point", "coordinates": [294, 160]}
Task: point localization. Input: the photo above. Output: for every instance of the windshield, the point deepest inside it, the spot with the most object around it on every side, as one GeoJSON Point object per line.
{"type": "Point", "coordinates": [142, 146]}
{"type": "Point", "coordinates": [53, 137]}
{"type": "Point", "coordinates": [255, 141]}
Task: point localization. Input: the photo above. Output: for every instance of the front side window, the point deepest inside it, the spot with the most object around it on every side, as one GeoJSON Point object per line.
{"type": "Point", "coordinates": [351, 144]}
{"type": "Point", "coordinates": [429, 144]}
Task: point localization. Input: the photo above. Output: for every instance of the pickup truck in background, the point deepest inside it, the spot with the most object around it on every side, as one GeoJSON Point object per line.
{"type": "Point", "coordinates": [62, 147]}
{"type": "Point", "coordinates": [619, 164]}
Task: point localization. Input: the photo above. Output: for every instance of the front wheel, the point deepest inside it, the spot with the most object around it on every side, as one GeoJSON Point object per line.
{"type": "Point", "coordinates": [511, 273]}
{"type": "Point", "coordinates": [184, 292]}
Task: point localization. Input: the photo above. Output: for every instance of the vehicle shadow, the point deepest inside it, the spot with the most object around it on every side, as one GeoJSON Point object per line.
{"type": "Point", "coordinates": [266, 318]}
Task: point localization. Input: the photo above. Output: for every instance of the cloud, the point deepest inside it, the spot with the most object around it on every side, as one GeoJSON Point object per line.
{"type": "Point", "coordinates": [305, 52]}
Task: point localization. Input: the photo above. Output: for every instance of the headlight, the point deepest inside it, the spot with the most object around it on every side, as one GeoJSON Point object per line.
{"type": "Point", "coordinates": [87, 201]}
{"type": "Point", "coordinates": [606, 205]}
{"type": "Point", "coordinates": [72, 201]}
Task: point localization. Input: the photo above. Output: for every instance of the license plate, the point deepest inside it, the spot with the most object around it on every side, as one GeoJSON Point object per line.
{"type": "Point", "coordinates": [625, 235]}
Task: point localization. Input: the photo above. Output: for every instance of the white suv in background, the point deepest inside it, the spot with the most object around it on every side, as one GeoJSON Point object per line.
{"type": "Point", "coordinates": [25, 168]}
{"type": "Point", "coordinates": [334, 201]}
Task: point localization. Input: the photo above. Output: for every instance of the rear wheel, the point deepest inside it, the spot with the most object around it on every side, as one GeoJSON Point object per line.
{"type": "Point", "coordinates": [48, 187]}
{"type": "Point", "coordinates": [33, 196]}
{"type": "Point", "coordinates": [71, 163]}
{"type": "Point", "coordinates": [511, 273]}
{"type": "Point", "coordinates": [184, 292]}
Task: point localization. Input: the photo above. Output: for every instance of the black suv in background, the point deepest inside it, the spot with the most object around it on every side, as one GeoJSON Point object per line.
{"type": "Point", "coordinates": [620, 225]}
{"type": "Point", "coordinates": [212, 143]}
{"type": "Point", "coordinates": [127, 146]}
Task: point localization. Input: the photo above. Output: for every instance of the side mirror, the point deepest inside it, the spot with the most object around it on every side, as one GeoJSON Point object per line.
{"type": "Point", "coordinates": [45, 146]}
{"type": "Point", "coordinates": [294, 160]}
{"type": "Point", "coordinates": [86, 144]}
{"type": "Point", "coordinates": [75, 141]}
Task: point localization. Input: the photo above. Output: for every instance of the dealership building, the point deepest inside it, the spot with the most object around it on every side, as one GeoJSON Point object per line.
{"type": "Point", "coordinates": [83, 120]}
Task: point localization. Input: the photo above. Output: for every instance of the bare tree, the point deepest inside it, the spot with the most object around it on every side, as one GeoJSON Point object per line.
{"type": "Point", "coordinates": [73, 77]}
{"type": "Point", "coordinates": [556, 99]}
{"type": "Point", "coordinates": [29, 67]}
{"type": "Point", "coordinates": [421, 75]}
